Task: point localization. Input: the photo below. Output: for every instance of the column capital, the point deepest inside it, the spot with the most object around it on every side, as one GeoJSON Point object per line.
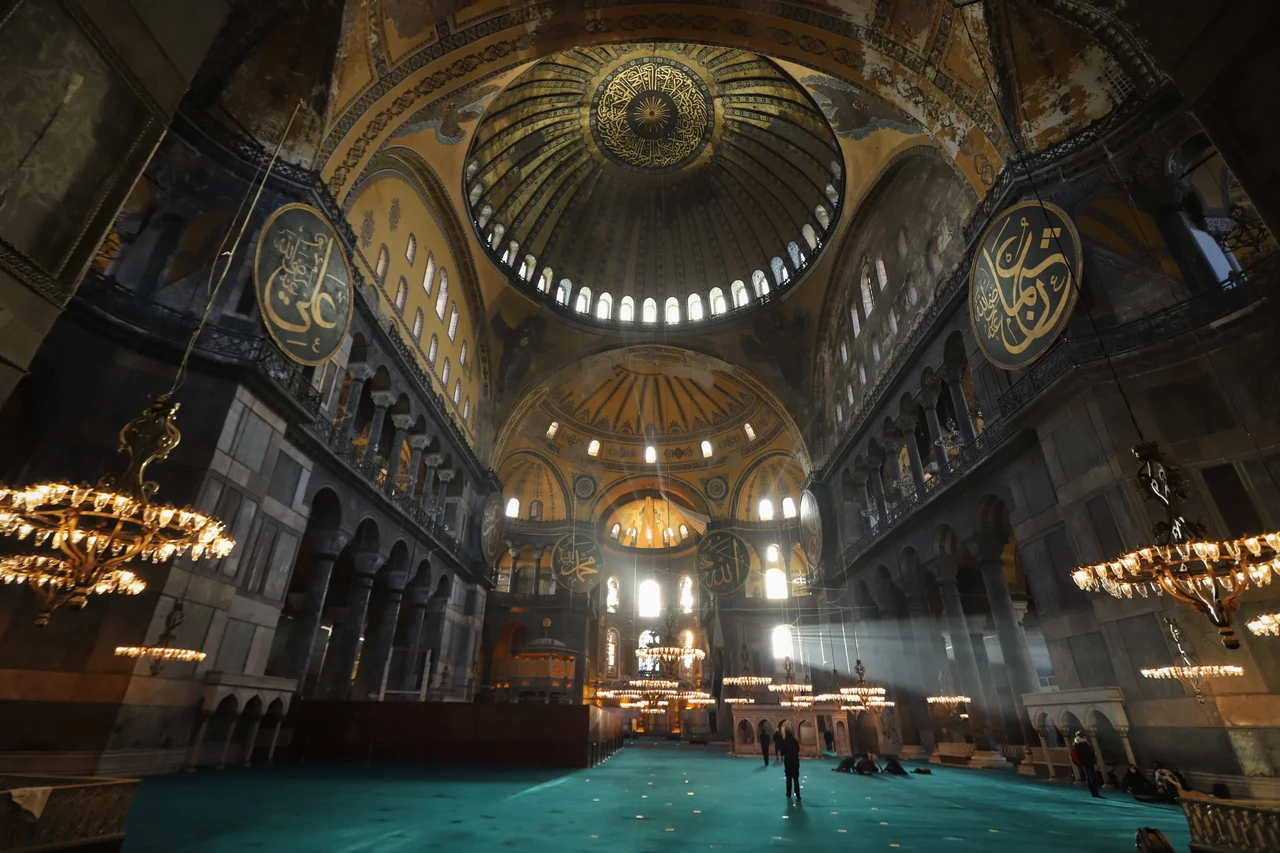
{"type": "Point", "coordinates": [419, 442]}
{"type": "Point", "coordinates": [989, 547]}
{"type": "Point", "coordinates": [906, 423]}
{"type": "Point", "coordinates": [382, 399]}
{"type": "Point", "coordinates": [944, 569]}
{"type": "Point", "coordinates": [433, 460]}
{"type": "Point", "coordinates": [367, 563]}
{"type": "Point", "coordinates": [329, 543]}
{"type": "Point", "coordinates": [513, 552]}
{"type": "Point", "coordinates": [446, 476]}
{"type": "Point", "coordinates": [396, 581]}
{"type": "Point", "coordinates": [951, 372]}
{"type": "Point", "coordinates": [928, 396]}
{"type": "Point", "coordinates": [360, 370]}
{"type": "Point", "coordinates": [402, 421]}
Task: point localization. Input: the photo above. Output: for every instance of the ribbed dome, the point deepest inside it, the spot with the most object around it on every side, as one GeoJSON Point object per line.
{"type": "Point", "coordinates": [695, 177]}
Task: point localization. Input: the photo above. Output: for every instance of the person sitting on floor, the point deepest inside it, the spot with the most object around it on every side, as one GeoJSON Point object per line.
{"type": "Point", "coordinates": [866, 765]}
{"type": "Point", "coordinates": [846, 766]}
{"type": "Point", "coordinates": [1136, 782]}
{"type": "Point", "coordinates": [893, 766]}
{"type": "Point", "coordinates": [1168, 783]}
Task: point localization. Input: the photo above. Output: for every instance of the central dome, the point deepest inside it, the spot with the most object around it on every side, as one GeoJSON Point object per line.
{"type": "Point", "coordinates": [657, 185]}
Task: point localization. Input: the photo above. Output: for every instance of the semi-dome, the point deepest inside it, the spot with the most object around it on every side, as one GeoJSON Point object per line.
{"type": "Point", "coordinates": [661, 185]}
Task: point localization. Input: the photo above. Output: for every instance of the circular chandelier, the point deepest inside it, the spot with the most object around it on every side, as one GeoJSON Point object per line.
{"type": "Point", "coordinates": [168, 654]}
{"type": "Point", "coordinates": [747, 680]}
{"type": "Point", "coordinates": [947, 698]}
{"type": "Point", "coordinates": [700, 701]}
{"type": "Point", "coordinates": [653, 683]}
{"type": "Point", "coordinates": [1266, 625]}
{"type": "Point", "coordinates": [1208, 575]}
{"type": "Point", "coordinates": [1195, 677]}
{"type": "Point", "coordinates": [670, 654]}
{"type": "Point", "coordinates": [863, 689]}
{"type": "Point", "coordinates": [97, 529]}
{"type": "Point", "coordinates": [739, 700]}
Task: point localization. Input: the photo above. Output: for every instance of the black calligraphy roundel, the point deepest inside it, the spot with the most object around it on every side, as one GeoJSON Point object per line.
{"type": "Point", "coordinates": [723, 562]}
{"type": "Point", "coordinates": [576, 562]}
{"type": "Point", "coordinates": [303, 282]}
{"type": "Point", "coordinates": [1024, 282]}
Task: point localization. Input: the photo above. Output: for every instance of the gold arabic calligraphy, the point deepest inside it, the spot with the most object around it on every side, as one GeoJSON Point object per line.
{"type": "Point", "coordinates": [1023, 285]}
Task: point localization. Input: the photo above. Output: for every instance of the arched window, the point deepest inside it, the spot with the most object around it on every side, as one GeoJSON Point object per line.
{"type": "Point", "coordinates": [862, 374]}
{"type": "Point", "coordinates": [824, 218]}
{"type": "Point", "coordinates": [444, 374]}
{"type": "Point", "coordinates": [513, 252]}
{"type": "Point", "coordinates": [384, 261]}
{"type": "Point", "coordinates": [648, 638]}
{"type": "Point", "coordinates": [868, 295]}
{"type": "Point", "coordinates": [611, 591]}
{"type": "Point", "coordinates": [527, 267]}
{"type": "Point", "coordinates": [913, 295]}
{"type": "Point", "coordinates": [766, 509]}
{"type": "Point", "coordinates": [844, 353]}
{"type": "Point", "coordinates": [695, 307]}
{"type": "Point", "coordinates": [684, 531]}
{"type": "Point", "coordinates": [810, 236]}
{"type": "Point", "coordinates": [760, 283]}
{"type": "Point", "coordinates": [686, 594]}
{"type": "Point", "coordinates": [616, 530]}
{"type": "Point", "coordinates": [544, 283]}
{"type": "Point", "coordinates": [466, 410]}
{"type": "Point", "coordinates": [477, 190]}
{"type": "Point", "coordinates": [902, 243]}
{"type": "Point", "coordinates": [486, 213]}
{"type": "Point", "coordinates": [417, 325]}
{"type": "Point", "coordinates": [649, 605]}
{"type": "Point", "coordinates": [611, 649]}
{"type": "Point", "coordinates": [780, 273]}
{"type": "Point", "coordinates": [857, 323]}
{"type": "Point", "coordinates": [798, 257]}
{"type": "Point", "coordinates": [411, 249]}
{"type": "Point", "coordinates": [429, 277]}
{"type": "Point", "coordinates": [462, 356]}
{"type": "Point", "coordinates": [402, 295]}
{"type": "Point", "coordinates": [583, 303]}
{"type": "Point", "coordinates": [716, 300]}
{"type": "Point", "coordinates": [848, 392]}
{"type": "Point", "coordinates": [604, 306]}
{"type": "Point", "coordinates": [453, 320]}
{"type": "Point", "coordinates": [627, 310]}
{"type": "Point", "coordinates": [738, 291]}
{"type": "Point", "coordinates": [651, 454]}
{"type": "Point", "coordinates": [535, 510]}
{"type": "Point", "coordinates": [706, 449]}
{"type": "Point", "coordinates": [433, 350]}
{"type": "Point", "coordinates": [788, 508]}
{"type": "Point", "coordinates": [839, 414]}
{"type": "Point", "coordinates": [775, 584]}
{"type": "Point", "coordinates": [563, 290]}
{"type": "Point", "coordinates": [782, 641]}
{"type": "Point", "coordinates": [442, 299]}
{"type": "Point", "coordinates": [882, 274]}
{"type": "Point", "coordinates": [771, 554]}
{"type": "Point", "coordinates": [893, 322]}
{"type": "Point", "coordinates": [593, 449]}
{"type": "Point", "coordinates": [495, 236]}
{"type": "Point", "coordinates": [832, 194]}
{"type": "Point", "coordinates": [934, 257]}
{"type": "Point", "coordinates": [649, 311]}
{"type": "Point", "coordinates": [875, 352]}
{"type": "Point", "coordinates": [552, 429]}
{"type": "Point", "coordinates": [749, 431]}
{"type": "Point", "coordinates": [672, 311]}
{"type": "Point", "coordinates": [513, 508]}
{"type": "Point", "coordinates": [457, 391]}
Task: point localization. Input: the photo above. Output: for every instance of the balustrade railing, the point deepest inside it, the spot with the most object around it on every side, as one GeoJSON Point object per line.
{"type": "Point", "coordinates": [1231, 826]}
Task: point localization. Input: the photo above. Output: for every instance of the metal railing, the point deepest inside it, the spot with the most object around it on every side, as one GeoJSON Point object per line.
{"type": "Point", "coordinates": [1231, 826]}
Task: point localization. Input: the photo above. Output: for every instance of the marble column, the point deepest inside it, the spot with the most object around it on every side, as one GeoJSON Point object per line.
{"type": "Point", "coordinates": [929, 402]}
{"type": "Point", "coordinates": [970, 682]}
{"type": "Point", "coordinates": [411, 666]}
{"type": "Point", "coordinates": [360, 374]}
{"type": "Point", "coordinates": [226, 744]}
{"type": "Point", "coordinates": [373, 663]}
{"type": "Point", "coordinates": [964, 419]}
{"type": "Point", "coordinates": [382, 401]}
{"type": "Point", "coordinates": [923, 645]}
{"type": "Point", "coordinates": [445, 477]}
{"type": "Point", "coordinates": [345, 645]}
{"type": "Point", "coordinates": [402, 424]}
{"type": "Point", "coordinates": [876, 479]}
{"type": "Point", "coordinates": [991, 696]}
{"type": "Point", "coordinates": [250, 742]}
{"type": "Point", "coordinates": [325, 547]}
{"type": "Point", "coordinates": [417, 443]}
{"type": "Point", "coordinates": [1013, 644]}
{"type": "Point", "coordinates": [275, 738]}
{"type": "Point", "coordinates": [193, 751]}
{"type": "Point", "coordinates": [907, 423]}
{"type": "Point", "coordinates": [432, 461]}
{"type": "Point", "coordinates": [895, 466]}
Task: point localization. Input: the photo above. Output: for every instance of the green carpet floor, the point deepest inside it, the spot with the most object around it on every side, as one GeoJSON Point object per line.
{"type": "Point", "coordinates": [645, 799]}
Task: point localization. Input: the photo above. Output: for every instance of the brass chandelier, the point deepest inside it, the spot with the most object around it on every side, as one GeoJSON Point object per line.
{"type": "Point", "coordinates": [94, 531]}
{"type": "Point", "coordinates": [1266, 625]}
{"type": "Point", "coordinates": [947, 698]}
{"type": "Point", "coordinates": [864, 690]}
{"type": "Point", "coordinates": [1208, 575]}
{"type": "Point", "coordinates": [1195, 677]}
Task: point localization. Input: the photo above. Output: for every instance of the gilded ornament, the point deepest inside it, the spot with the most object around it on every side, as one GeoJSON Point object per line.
{"type": "Point", "coordinates": [723, 562]}
{"type": "Point", "coordinates": [576, 562]}
{"type": "Point", "coordinates": [1024, 283]}
{"type": "Point", "coordinates": [652, 115]}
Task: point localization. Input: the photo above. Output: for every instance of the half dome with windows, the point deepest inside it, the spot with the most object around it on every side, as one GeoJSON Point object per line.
{"type": "Point", "coordinates": [654, 186]}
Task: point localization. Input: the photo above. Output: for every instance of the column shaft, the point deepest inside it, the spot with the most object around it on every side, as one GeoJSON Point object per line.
{"type": "Point", "coordinates": [964, 420]}
{"type": "Point", "coordinates": [970, 682]}
{"type": "Point", "coordinates": [935, 436]}
{"type": "Point", "coordinates": [303, 637]}
{"type": "Point", "coordinates": [917, 465]}
{"type": "Point", "coordinates": [340, 661]}
{"type": "Point", "coordinates": [1013, 645]}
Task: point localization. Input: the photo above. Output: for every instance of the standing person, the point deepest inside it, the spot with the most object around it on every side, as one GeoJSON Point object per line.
{"type": "Point", "coordinates": [791, 763]}
{"type": "Point", "coordinates": [830, 739]}
{"type": "Point", "coordinates": [764, 746]}
{"type": "Point", "coordinates": [777, 742]}
{"type": "Point", "coordinates": [1088, 762]}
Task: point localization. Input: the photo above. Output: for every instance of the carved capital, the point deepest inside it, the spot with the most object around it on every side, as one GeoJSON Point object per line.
{"type": "Point", "coordinates": [447, 475]}
{"type": "Point", "coordinates": [402, 421]}
{"type": "Point", "coordinates": [419, 442]}
{"type": "Point", "coordinates": [329, 543]}
{"type": "Point", "coordinates": [433, 460]}
{"type": "Point", "coordinates": [360, 371]}
{"type": "Point", "coordinates": [928, 396]}
{"type": "Point", "coordinates": [383, 399]}
{"type": "Point", "coordinates": [367, 563]}
{"type": "Point", "coordinates": [907, 423]}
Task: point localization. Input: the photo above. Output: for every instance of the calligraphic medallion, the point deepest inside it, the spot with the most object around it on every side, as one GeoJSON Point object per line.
{"type": "Point", "coordinates": [723, 562]}
{"type": "Point", "coordinates": [491, 523]}
{"type": "Point", "coordinates": [1024, 283]}
{"type": "Point", "coordinates": [303, 282]}
{"type": "Point", "coordinates": [652, 115]}
{"type": "Point", "coordinates": [810, 528]}
{"type": "Point", "coordinates": [576, 562]}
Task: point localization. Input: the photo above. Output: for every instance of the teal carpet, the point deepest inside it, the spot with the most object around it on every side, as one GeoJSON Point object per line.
{"type": "Point", "coordinates": [645, 799]}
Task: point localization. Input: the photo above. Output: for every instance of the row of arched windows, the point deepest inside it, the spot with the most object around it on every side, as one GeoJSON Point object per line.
{"type": "Point", "coordinates": [765, 508]}
{"type": "Point", "coordinates": [673, 312]}
{"type": "Point", "coordinates": [440, 285]}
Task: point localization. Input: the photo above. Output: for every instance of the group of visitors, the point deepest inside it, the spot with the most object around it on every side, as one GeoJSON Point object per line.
{"type": "Point", "coordinates": [1163, 788]}
{"type": "Point", "coordinates": [866, 765]}
{"type": "Point", "coordinates": [788, 749]}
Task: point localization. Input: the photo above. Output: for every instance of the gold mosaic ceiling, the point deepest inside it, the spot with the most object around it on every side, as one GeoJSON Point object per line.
{"type": "Point", "coordinates": [696, 177]}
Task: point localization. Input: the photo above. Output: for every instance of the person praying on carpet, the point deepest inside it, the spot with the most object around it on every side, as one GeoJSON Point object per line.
{"type": "Point", "coordinates": [893, 766]}
{"type": "Point", "coordinates": [846, 766]}
{"type": "Point", "coordinates": [1136, 782]}
{"type": "Point", "coordinates": [791, 763]}
{"type": "Point", "coordinates": [866, 766]}
{"type": "Point", "coordinates": [1088, 763]}
{"type": "Point", "coordinates": [764, 746]}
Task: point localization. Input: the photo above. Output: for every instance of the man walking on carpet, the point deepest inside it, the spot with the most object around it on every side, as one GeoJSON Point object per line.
{"type": "Point", "coordinates": [1088, 763]}
{"type": "Point", "coordinates": [790, 752]}
{"type": "Point", "coordinates": [764, 746]}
